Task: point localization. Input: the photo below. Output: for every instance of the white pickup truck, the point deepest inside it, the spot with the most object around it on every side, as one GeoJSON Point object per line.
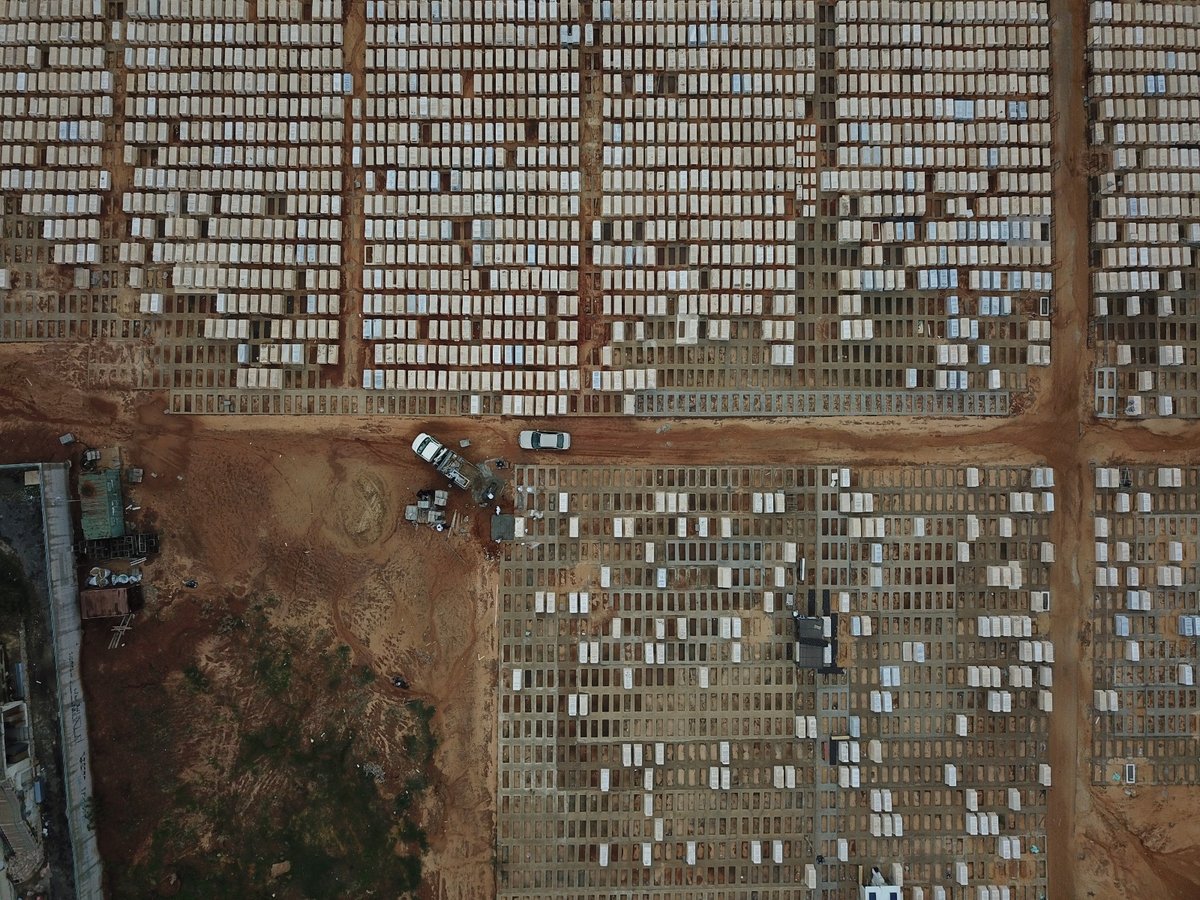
{"type": "Point", "coordinates": [427, 447]}
{"type": "Point", "coordinates": [454, 467]}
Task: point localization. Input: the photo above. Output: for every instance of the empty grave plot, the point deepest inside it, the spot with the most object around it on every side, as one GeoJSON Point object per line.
{"type": "Point", "coordinates": [721, 680]}
{"type": "Point", "coordinates": [537, 207]}
{"type": "Point", "coordinates": [1144, 102]}
{"type": "Point", "coordinates": [1146, 625]}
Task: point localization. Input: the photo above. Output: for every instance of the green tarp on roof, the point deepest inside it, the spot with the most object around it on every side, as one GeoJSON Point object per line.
{"type": "Point", "coordinates": [103, 508]}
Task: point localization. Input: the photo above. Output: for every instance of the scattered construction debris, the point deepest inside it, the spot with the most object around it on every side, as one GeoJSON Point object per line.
{"type": "Point", "coordinates": [430, 509]}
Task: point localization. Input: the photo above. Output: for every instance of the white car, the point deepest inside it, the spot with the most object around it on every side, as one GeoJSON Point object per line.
{"type": "Point", "coordinates": [427, 447]}
{"type": "Point", "coordinates": [544, 440]}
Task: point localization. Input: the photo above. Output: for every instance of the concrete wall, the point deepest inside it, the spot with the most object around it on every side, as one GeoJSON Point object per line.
{"type": "Point", "coordinates": [72, 714]}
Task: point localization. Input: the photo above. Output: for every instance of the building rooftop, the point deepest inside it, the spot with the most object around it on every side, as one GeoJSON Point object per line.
{"type": "Point", "coordinates": [104, 603]}
{"type": "Point", "coordinates": [102, 507]}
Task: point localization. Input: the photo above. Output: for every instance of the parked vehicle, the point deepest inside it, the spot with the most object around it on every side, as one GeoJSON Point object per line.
{"type": "Point", "coordinates": [459, 471]}
{"type": "Point", "coordinates": [544, 440]}
{"type": "Point", "coordinates": [427, 447]}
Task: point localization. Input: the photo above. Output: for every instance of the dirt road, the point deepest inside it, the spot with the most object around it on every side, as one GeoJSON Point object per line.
{"type": "Point", "coordinates": [1065, 413]}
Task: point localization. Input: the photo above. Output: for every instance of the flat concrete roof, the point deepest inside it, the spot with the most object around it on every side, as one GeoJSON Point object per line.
{"type": "Point", "coordinates": [103, 509]}
{"type": "Point", "coordinates": [104, 603]}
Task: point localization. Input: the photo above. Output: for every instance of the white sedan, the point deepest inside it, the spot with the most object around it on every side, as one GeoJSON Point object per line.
{"type": "Point", "coordinates": [544, 440]}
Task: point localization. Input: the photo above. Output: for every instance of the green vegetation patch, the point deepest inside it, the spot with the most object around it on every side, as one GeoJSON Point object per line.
{"type": "Point", "coordinates": [306, 785]}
